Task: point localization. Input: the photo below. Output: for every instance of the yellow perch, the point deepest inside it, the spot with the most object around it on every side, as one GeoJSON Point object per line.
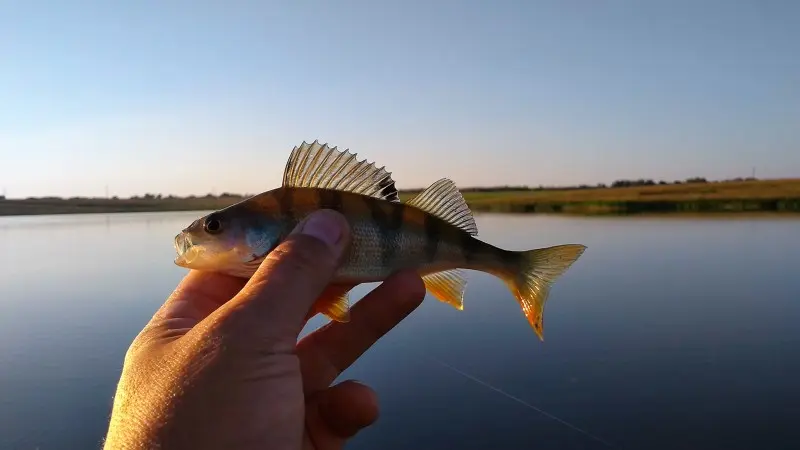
{"type": "Point", "coordinates": [433, 233]}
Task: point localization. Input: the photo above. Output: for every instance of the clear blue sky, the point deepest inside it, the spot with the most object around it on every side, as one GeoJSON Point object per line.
{"type": "Point", "coordinates": [189, 96]}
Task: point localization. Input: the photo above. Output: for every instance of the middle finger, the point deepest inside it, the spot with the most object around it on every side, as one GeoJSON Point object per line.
{"type": "Point", "coordinates": [327, 352]}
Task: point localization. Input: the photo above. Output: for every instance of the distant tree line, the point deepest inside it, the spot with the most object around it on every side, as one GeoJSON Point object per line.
{"type": "Point", "coordinates": [648, 182]}
{"type": "Point", "coordinates": [616, 184]}
{"type": "Point", "coordinates": [189, 197]}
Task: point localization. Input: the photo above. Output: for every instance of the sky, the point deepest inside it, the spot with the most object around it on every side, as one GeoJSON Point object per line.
{"type": "Point", "coordinates": [192, 97]}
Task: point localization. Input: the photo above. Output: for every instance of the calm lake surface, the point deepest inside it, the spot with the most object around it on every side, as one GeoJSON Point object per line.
{"type": "Point", "coordinates": [667, 333]}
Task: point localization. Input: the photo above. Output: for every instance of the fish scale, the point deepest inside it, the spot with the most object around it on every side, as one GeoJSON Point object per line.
{"type": "Point", "coordinates": [365, 262]}
{"type": "Point", "coordinates": [434, 234]}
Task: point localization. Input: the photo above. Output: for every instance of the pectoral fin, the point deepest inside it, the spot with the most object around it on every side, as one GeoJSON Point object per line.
{"type": "Point", "coordinates": [334, 303]}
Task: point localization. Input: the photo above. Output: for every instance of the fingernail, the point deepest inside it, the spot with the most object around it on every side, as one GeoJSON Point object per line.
{"type": "Point", "coordinates": [324, 226]}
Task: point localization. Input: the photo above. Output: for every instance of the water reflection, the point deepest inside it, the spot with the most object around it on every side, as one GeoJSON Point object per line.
{"type": "Point", "coordinates": [667, 333]}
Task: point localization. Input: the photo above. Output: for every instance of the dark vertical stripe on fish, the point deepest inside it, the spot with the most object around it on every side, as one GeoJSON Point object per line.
{"type": "Point", "coordinates": [286, 201]}
{"type": "Point", "coordinates": [470, 246]}
{"type": "Point", "coordinates": [433, 233]}
{"type": "Point", "coordinates": [389, 225]}
{"type": "Point", "coordinates": [391, 233]}
{"type": "Point", "coordinates": [331, 199]}
{"type": "Point", "coordinates": [396, 223]}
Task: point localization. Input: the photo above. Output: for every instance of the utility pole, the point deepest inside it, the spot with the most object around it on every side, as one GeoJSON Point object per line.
{"type": "Point", "coordinates": [754, 173]}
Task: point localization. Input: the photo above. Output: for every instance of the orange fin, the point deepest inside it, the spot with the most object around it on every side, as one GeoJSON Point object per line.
{"type": "Point", "coordinates": [531, 281]}
{"type": "Point", "coordinates": [334, 303]}
{"type": "Point", "coordinates": [447, 286]}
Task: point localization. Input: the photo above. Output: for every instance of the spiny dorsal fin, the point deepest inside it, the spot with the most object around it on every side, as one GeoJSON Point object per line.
{"type": "Point", "coordinates": [443, 200]}
{"type": "Point", "coordinates": [447, 286]}
{"type": "Point", "coordinates": [317, 165]}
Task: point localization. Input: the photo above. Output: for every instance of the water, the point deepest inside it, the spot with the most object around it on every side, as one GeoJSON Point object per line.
{"type": "Point", "coordinates": [667, 333]}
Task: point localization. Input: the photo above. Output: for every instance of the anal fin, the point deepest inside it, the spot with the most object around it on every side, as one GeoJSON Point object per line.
{"type": "Point", "coordinates": [334, 303]}
{"type": "Point", "coordinates": [447, 286]}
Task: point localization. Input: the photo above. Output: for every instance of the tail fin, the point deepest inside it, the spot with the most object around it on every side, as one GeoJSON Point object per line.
{"type": "Point", "coordinates": [535, 272]}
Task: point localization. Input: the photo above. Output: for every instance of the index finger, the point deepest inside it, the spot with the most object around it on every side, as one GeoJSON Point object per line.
{"type": "Point", "coordinates": [327, 352]}
{"type": "Point", "coordinates": [197, 295]}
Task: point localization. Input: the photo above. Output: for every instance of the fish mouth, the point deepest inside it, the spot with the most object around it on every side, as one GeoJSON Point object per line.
{"type": "Point", "coordinates": [187, 252]}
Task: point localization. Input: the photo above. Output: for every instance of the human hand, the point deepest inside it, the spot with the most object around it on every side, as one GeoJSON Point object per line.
{"type": "Point", "coordinates": [219, 364]}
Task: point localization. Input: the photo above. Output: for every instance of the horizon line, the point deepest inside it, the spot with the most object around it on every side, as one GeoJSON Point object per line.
{"type": "Point", "coordinates": [617, 184]}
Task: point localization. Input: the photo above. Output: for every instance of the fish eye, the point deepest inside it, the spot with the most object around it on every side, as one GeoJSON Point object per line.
{"type": "Point", "coordinates": [212, 225]}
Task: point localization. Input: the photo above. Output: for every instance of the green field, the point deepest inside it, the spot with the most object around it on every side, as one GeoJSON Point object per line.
{"type": "Point", "coordinates": [780, 195]}
{"type": "Point", "coordinates": [775, 196]}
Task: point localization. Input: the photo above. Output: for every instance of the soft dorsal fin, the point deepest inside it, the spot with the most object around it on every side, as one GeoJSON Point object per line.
{"type": "Point", "coordinates": [317, 165]}
{"type": "Point", "coordinates": [443, 200]}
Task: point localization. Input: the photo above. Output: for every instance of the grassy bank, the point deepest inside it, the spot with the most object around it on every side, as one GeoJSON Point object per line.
{"type": "Point", "coordinates": [52, 205]}
{"type": "Point", "coordinates": [707, 197]}
{"type": "Point", "coordinates": [782, 195]}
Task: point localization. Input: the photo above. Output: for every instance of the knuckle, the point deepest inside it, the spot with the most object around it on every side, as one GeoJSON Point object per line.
{"type": "Point", "coordinates": [240, 333]}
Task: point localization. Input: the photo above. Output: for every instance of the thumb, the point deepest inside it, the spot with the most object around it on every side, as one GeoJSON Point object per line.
{"type": "Point", "coordinates": [276, 300]}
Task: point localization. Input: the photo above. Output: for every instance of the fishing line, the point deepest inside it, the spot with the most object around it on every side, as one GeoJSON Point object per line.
{"type": "Point", "coordinates": [521, 402]}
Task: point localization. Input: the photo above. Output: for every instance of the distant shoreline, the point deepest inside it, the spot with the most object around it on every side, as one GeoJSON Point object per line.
{"type": "Point", "coordinates": [644, 197]}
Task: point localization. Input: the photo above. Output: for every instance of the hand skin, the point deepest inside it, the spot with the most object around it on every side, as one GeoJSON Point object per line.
{"type": "Point", "coordinates": [220, 365]}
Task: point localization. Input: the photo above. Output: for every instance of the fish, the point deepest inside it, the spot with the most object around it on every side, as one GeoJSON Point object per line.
{"type": "Point", "coordinates": [434, 233]}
